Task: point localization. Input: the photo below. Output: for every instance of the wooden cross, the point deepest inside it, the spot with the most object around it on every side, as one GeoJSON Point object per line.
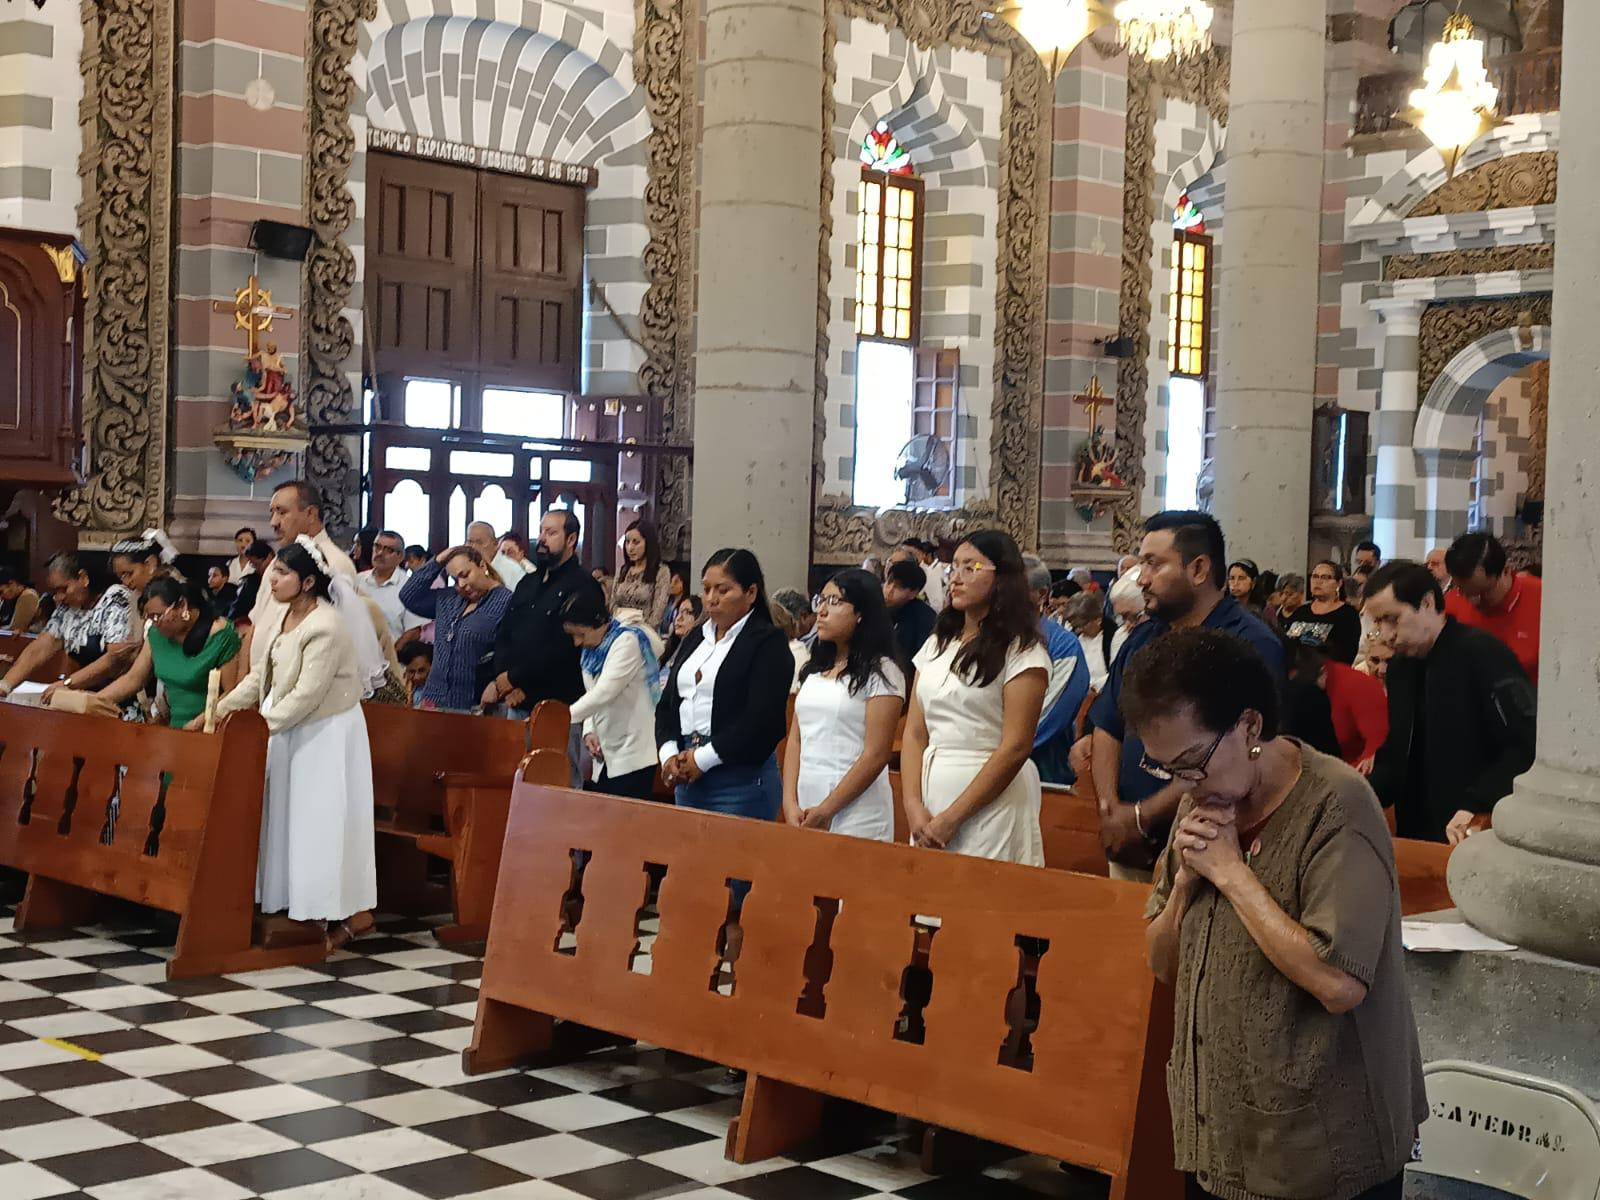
{"type": "Point", "coordinates": [1093, 400]}
{"type": "Point", "coordinates": [253, 312]}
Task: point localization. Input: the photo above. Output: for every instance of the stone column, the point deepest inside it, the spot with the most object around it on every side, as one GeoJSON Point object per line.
{"type": "Point", "coordinates": [1269, 279]}
{"type": "Point", "coordinates": [760, 224]}
{"type": "Point", "coordinates": [1535, 880]}
{"type": "Point", "coordinates": [1394, 494]}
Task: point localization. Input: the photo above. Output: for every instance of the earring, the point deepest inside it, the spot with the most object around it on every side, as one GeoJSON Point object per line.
{"type": "Point", "coordinates": [1255, 752]}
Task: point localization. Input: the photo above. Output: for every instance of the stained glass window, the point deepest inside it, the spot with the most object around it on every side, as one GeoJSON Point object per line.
{"type": "Point", "coordinates": [1187, 341]}
{"type": "Point", "coordinates": [888, 236]}
{"type": "Point", "coordinates": [1187, 217]}
{"type": "Point", "coordinates": [880, 151]}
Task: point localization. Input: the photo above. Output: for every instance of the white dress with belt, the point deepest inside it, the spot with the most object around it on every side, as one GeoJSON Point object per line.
{"type": "Point", "coordinates": [964, 726]}
{"type": "Point", "coordinates": [833, 733]}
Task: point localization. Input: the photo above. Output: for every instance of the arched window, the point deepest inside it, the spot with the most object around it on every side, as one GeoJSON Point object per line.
{"type": "Point", "coordinates": [903, 388]}
{"type": "Point", "coordinates": [1191, 406]}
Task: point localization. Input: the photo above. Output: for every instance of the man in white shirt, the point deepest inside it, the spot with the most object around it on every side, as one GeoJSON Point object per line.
{"type": "Point", "coordinates": [296, 510]}
{"type": "Point", "coordinates": [384, 581]}
{"type": "Point", "coordinates": [481, 537]}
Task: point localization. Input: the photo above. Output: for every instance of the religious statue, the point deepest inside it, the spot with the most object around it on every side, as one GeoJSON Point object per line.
{"type": "Point", "coordinates": [264, 431]}
{"type": "Point", "coordinates": [1097, 457]}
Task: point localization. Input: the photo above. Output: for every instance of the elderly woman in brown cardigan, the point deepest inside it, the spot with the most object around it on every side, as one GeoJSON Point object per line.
{"type": "Point", "coordinates": [1295, 1072]}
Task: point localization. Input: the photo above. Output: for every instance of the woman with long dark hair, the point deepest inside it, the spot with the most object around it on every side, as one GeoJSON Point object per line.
{"type": "Point", "coordinates": [643, 580]}
{"type": "Point", "coordinates": [1244, 584]}
{"type": "Point", "coordinates": [724, 709]}
{"type": "Point", "coordinates": [975, 709]}
{"type": "Point", "coordinates": [317, 854]}
{"type": "Point", "coordinates": [686, 618]}
{"type": "Point", "coordinates": [466, 621]}
{"type": "Point", "coordinates": [191, 640]}
{"type": "Point", "coordinates": [622, 683]}
{"type": "Point", "coordinates": [836, 766]}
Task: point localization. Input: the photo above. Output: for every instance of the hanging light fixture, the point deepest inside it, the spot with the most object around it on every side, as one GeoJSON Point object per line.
{"type": "Point", "coordinates": [1454, 107]}
{"type": "Point", "coordinates": [1054, 28]}
{"type": "Point", "coordinates": [1163, 29]}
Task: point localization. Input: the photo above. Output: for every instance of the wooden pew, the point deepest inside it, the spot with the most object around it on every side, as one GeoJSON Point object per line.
{"type": "Point", "coordinates": [13, 644]}
{"type": "Point", "coordinates": [1421, 868]}
{"type": "Point", "coordinates": [441, 783]}
{"type": "Point", "coordinates": [1070, 823]}
{"type": "Point", "coordinates": [183, 836]}
{"type": "Point", "coordinates": [1032, 1020]}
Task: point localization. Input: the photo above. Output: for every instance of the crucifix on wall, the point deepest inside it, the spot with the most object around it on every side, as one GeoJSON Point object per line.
{"type": "Point", "coordinates": [253, 312]}
{"type": "Point", "coordinates": [263, 400]}
{"type": "Point", "coordinates": [1097, 458]}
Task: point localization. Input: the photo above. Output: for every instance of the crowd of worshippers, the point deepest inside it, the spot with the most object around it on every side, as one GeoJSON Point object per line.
{"type": "Point", "coordinates": [1241, 740]}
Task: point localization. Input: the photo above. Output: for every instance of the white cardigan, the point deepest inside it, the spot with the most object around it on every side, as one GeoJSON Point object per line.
{"type": "Point", "coordinates": [313, 671]}
{"type": "Point", "coordinates": [616, 708]}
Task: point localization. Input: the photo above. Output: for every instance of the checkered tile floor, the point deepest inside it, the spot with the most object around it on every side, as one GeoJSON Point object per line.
{"type": "Point", "coordinates": [343, 1081]}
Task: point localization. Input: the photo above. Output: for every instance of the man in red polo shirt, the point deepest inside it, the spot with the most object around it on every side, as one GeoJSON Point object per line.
{"type": "Point", "coordinates": [1490, 596]}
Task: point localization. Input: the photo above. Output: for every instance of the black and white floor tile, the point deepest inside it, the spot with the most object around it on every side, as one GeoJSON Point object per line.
{"type": "Point", "coordinates": [344, 1082]}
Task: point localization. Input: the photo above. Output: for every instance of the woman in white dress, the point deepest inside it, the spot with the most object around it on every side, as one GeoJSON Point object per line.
{"type": "Point", "coordinates": [317, 856]}
{"type": "Point", "coordinates": [980, 687]}
{"type": "Point", "coordinates": [836, 767]}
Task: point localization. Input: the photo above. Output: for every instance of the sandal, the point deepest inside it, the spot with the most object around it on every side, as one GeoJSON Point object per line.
{"type": "Point", "coordinates": [347, 930]}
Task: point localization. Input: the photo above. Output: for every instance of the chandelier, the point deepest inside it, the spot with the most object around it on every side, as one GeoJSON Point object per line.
{"type": "Point", "coordinates": [1054, 28]}
{"type": "Point", "coordinates": [1163, 29]}
{"type": "Point", "coordinates": [1454, 107]}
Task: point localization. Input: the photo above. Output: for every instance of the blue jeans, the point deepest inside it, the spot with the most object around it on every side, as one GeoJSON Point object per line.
{"type": "Point", "coordinates": [738, 791]}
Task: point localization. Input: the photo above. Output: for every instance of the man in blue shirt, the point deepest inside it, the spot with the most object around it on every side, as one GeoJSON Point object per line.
{"type": "Point", "coordinates": [1182, 569]}
{"type": "Point", "coordinates": [1068, 685]}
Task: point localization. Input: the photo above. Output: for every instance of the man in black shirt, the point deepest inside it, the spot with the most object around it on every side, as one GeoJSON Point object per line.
{"type": "Point", "coordinates": [1461, 710]}
{"type": "Point", "coordinates": [534, 659]}
{"type": "Point", "coordinates": [913, 617]}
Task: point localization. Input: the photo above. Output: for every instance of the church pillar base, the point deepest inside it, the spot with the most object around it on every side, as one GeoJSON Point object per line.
{"type": "Point", "coordinates": [1534, 880]}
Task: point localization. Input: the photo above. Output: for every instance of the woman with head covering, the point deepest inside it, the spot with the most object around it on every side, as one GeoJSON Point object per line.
{"type": "Point", "coordinates": [317, 853]}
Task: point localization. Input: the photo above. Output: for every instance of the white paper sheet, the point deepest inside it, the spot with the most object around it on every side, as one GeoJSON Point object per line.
{"type": "Point", "coordinates": [1447, 936]}
{"type": "Point", "coordinates": [28, 693]}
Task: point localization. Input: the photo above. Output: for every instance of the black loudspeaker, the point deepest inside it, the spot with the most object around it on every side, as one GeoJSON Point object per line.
{"type": "Point", "coordinates": [277, 239]}
{"type": "Point", "coordinates": [1119, 347]}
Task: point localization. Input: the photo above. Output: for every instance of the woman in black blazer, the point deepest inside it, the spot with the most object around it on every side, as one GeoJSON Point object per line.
{"type": "Point", "coordinates": [725, 706]}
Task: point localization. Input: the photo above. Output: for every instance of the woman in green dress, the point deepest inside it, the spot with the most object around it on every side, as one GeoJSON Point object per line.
{"type": "Point", "coordinates": [191, 640]}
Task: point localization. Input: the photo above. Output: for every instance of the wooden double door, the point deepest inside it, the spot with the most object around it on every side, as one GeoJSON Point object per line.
{"type": "Point", "coordinates": [473, 276]}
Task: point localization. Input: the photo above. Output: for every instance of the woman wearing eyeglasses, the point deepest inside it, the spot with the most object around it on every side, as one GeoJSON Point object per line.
{"type": "Point", "coordinates": [836, 766]}
{"type": "Point", "coordinates": [1327, 623]}
{"type": "Point", "coordinates": [725, 707]}
{"type": "Point", "coordinates": [191, 641]}
{"type": "Point", "coordinates": [1295, 1069]}
{"type": "Point", "coordinates": [980, 684]}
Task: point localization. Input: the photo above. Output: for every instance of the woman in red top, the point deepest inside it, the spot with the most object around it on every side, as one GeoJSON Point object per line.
{"type": "Point", "coordinates": [1359, 702]}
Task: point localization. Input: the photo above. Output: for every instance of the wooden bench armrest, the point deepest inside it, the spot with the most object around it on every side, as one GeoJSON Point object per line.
{"type": "Point", "coordinates": [474, 779]}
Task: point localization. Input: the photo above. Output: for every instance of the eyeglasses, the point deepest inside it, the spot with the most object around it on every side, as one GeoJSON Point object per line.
{"type": "Point", "coordinates": [1192, 774]}
{"type": "Point", "coordinates": [825, 602]}
{"type": "Point", "coordinates": [970, 570]}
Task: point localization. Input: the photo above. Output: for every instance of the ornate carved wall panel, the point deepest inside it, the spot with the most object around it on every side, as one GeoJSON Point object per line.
{"type": "Point", "coordinates": [1448, 329]}
{"type": "Point", "coordinates": [664, 53]}
{"type": "Point", "coordinates": [328, 340]}
{"type": "Point", "coordinates": [1514, 182]}
{"type": "Point", "coordinates": [126, 223]}
{"type": "Point", "coordinates": [844, 531]}
{"type": "Point", "coordinates": [1470, 262]}
{"type": "Point", "coordinates": [1202, 81]}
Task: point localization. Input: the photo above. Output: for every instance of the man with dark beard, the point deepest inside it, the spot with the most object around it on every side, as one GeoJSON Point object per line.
{"type": "Point", "coordinates": [1182, 568]}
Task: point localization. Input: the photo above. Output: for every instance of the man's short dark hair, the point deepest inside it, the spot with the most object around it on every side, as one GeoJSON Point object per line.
{"type": "Point", "coordinates": [393, 536]}
{"type": "Point", "coordinates": [413, 650]}
{"type": "Point", "coordinates": [1410, 581]}
{"type": "Point", "coordinates": [1473, 550]}
{"type": "Point", "coordinates": [570, 524]}
{"type": "Point", "coordinates": [1194, 534]}
{"type": "Point", "coordinates": [305, 493]}
{"type": "Point", "coordinates": [1371, 546]}
{"type": "Point", "coordinates": [416, 551]}
{"type": "Point", "coordinates": [246, 529]}
{"type": "Point", "coordinates": [258, 552]}
{"type": "Point", "coordinates": [907, 574]}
